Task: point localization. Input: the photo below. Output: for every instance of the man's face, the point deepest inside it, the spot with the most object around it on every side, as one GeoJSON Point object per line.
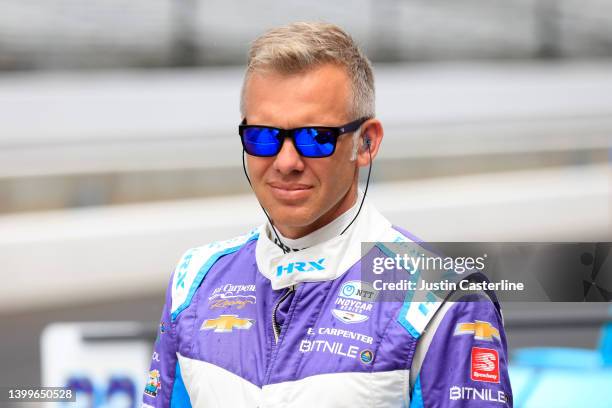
{"type": "Point", "coordinates": [302, 194]}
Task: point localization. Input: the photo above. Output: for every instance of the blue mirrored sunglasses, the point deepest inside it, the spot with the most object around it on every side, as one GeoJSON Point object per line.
{"type": "Point", "coordinates": [309, 141]}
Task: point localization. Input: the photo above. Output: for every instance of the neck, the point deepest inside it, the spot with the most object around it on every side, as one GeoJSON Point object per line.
{"type": "Point", "coordinates": [329, 231]}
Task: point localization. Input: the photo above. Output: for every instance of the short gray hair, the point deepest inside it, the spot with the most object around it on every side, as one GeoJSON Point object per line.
{"type": "Point", "coordinates": [301, 46]}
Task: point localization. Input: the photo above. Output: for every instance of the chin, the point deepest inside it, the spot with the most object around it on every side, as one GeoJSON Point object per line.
{"type": "Point", "coordinates": [291, 221]}
{"type": "Point", "coordinates": [292, 218]}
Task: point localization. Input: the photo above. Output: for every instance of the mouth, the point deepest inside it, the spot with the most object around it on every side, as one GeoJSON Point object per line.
{"type": "Point", "coordinates": [290, 192]}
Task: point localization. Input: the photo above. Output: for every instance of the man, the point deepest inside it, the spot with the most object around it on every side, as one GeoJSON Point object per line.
{"type": "Point", "coordinates": [271, 318]}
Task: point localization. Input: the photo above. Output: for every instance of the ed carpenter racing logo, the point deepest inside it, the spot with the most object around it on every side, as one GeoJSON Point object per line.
{"type": "Point", "coordinates": [232, 295]}
{"type": "Point", "coordinates": [308, 266]}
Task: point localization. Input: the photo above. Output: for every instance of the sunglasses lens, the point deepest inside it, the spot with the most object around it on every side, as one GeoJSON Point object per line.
{"type": "Point", "coordinates": [315, 142]}
{"type": "Point", "coordinates": [260, 141]}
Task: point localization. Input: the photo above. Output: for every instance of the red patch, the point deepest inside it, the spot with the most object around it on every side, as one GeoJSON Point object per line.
{"type": "Point", "coordinates": [485, 365]}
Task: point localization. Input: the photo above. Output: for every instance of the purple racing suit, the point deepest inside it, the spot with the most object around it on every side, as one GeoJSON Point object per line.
{"type": "Point", "coordinates": [246, 325]}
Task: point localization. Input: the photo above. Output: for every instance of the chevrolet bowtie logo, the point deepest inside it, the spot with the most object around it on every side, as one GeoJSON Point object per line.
{"type": "Point", "coordinates": [481, 330]}
{"type": "Point", "coordinates": [226, 323]}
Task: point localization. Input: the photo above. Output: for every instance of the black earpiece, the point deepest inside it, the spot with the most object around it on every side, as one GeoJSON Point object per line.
{"type": "Point", "coordinates": [367, 142]}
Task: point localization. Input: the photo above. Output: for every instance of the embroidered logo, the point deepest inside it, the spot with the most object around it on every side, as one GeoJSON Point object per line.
{"type": "Point", "coordinates": [292, 267]}
{"type": "Point", "coordinates": [485, 365]}
{"type": "Point", "coordinates": [227, 323]}
{"type": "Point", "coordinates": [153, 384]}
{"type": "Point", "coordinates": [354, 302]}
{"type": "Point", "coordinates": [481, 330]}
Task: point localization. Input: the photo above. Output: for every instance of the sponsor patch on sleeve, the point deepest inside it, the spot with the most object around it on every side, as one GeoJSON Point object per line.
{"type": "Point", "coordinates": [485, 365]}
{"type": "Point", "coordinates": [481, 330]}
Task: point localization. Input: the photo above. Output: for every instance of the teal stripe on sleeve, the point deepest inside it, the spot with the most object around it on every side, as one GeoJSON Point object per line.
{"type": "Point", "coordinates": [180, 397]}
{"type": "Point", "coordinates": [417, 395]}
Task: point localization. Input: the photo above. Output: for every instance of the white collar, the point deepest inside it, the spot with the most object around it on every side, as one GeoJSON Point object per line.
{"type": "Point", "coordinates": [325, 260]}
{"type": "Point", "coordinates": [329, 231]}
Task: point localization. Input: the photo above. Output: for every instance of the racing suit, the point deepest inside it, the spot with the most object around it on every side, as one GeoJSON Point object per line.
{"type": "Point", "coordinates": [247, 325]}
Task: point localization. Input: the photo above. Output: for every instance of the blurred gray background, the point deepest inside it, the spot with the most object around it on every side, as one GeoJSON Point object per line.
{"type": "Point", "coordinates": [119, 149]}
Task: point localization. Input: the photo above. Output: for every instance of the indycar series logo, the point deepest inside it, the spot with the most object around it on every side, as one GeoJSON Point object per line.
{"type": "Point", "coordinates": [354, 302]}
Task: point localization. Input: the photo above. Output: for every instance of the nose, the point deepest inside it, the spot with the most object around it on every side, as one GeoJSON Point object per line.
{"type": "Point", "coordinates": [288, 160]}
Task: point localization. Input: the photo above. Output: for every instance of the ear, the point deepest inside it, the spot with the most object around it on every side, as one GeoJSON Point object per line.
{"type": "Point", "coordinates": [369, 141]}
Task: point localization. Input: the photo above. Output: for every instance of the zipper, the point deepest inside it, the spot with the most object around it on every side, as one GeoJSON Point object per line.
{"type": "Point", "coordinates": [275, 327]}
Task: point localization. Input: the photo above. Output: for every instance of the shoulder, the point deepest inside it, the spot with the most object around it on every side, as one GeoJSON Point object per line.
{"type": "Point", "coordinates": [463, 348]}
{"type": "Point", "coordinates": [465, 317]}
{"type": "Point", "coordinates": [473, 314]}
{"type": "Point", "coordinates": [470, 313]}
{"type": "Point", "coordinates": [407, 235]}
{"type": "Point", "coordinates": [469, 316]}
{"type": "Point", "coordinates": [195, 264]}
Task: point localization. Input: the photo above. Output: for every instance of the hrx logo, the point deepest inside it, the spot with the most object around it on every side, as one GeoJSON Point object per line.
{"type": "Point", "coordinates": [308, 266]}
